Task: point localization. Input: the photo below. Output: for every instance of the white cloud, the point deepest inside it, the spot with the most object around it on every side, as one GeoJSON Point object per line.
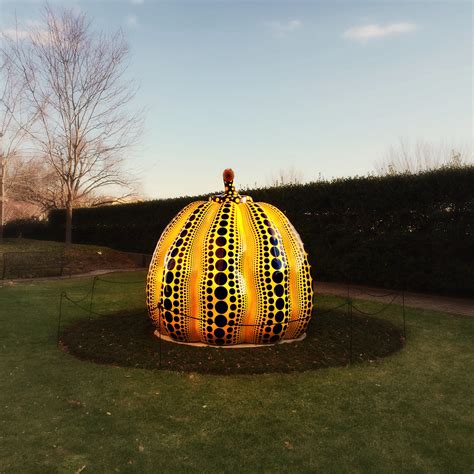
{"type": "Point", "coordinates": [283, 28]}
{"type": "Point", "coordinates": [19, 33]}
{"type": "Point", "coordinates": [12, 33]}
{"type": "Point", "coordinates": [132, 21]}
{"type": "Point", "coordinates": [30, 29]}
{"type": "Point", "coordinates": [368, 32]}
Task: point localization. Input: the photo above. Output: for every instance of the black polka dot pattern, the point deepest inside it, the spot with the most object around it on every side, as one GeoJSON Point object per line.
{"type": "Point", "coordinates": [230, 271]}
{"type": "Point", "coordinates": [301, 313]}
{"type": "Point", "coordinates": [155, 274]}
{"type": "Point", "coordinates": [221, 292]}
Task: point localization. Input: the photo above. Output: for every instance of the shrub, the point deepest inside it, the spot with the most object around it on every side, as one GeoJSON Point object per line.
{"type": "Point", "coordinates": [413, 230]}
{"type": "Point", "coordinates": [28, 228]}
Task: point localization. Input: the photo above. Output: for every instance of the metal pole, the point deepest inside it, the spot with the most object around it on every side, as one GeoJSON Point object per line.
{"type": "Point", "coordinates": [349, 307]}
{"type": "Point", "coordinates": [61, 262]}
{"type": "Point", "coordinates": [92, 297]}
{"type": "Point", "coordinates": [403, 309]}
{"type": "Point", "coordinates": [60, 316]}
{"type": "Point", "coordinates": [160, 332]}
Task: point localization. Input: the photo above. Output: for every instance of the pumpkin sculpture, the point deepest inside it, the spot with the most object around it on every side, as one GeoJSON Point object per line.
{"type": "Point", "coordinates": [229, 271]}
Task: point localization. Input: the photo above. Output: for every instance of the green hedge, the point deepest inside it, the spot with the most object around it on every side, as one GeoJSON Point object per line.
{"type": "Point", "coordinates": [28, 228]}
{"type": "Point", "coordinates": [406, 230]}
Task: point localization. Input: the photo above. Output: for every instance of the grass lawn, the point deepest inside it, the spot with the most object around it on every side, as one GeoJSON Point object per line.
{"type": "Point", "coordinates": [26, 258]}
{"type": "Point", "coordinates": [408, 412]}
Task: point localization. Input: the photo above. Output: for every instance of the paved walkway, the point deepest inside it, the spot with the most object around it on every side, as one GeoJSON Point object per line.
{"type": "Point", "coordinates": [447, 304]}
{"type": "Point", "coordinates": [7, 281]}
{"type": "Point", "coordinates": [463, 306]}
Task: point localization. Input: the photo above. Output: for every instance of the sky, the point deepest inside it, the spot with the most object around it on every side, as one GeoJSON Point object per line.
{"type": "Point", "coordinates": [322, 87]}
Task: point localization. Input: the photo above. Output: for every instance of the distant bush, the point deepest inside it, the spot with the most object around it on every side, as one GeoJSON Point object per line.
{"type": "Point", "coordinates": [413, 230]}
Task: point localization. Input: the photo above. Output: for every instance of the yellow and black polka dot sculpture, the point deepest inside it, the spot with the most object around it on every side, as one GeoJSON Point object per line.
{"type": "Point", "coordinates": [230, 271]}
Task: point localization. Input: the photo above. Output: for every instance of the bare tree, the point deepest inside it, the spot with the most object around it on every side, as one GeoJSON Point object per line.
{"type": "Point", "coordinates": [15, 118]}
{"type": "Point", "coordinates": [285, 176]}
{"type": "Point", "coordinates": [35, 182]}
{"type": "Point", "coordinates": [409, 157]}
{"type": "Point", "coordinates": [75, 82]}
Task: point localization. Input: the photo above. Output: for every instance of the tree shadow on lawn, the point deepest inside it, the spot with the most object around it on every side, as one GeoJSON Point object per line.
{"type": "Point", "coordinates": [128, 340]}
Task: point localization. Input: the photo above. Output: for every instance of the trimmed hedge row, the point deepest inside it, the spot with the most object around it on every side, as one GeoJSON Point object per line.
{"type": "Point", "coordinates": [413, 231]}
{"type": "Point", "coordinates": [28, 228]}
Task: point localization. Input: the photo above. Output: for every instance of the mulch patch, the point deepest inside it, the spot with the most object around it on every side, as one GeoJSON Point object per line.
{"type": "Point", "coordinates": [127, 340]}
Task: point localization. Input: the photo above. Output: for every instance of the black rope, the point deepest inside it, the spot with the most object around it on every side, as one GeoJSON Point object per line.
{"type": "Point", "coordinates": [80, 299]}
{"type": "Point", "coordinates": [90, 295]}
{"type": "Point", "coordinates": [330, 310]}
{"type": "Point", "coordinates": [88, 310]}
{"type": "Point", "coordinates": [76, 303]}
{"type": "Point", "coordinates": [383, 295]}
{"type": "Point", "coordinates": [377, 312]}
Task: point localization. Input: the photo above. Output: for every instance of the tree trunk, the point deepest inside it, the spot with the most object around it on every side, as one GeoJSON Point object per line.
{"type": "Point", "coordinates": [2, 196]}
{"type": "Point", "coordinates": [68, 222]}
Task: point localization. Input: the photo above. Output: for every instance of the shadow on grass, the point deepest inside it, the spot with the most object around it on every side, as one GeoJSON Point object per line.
{"type": "Point", "coordinates": [127, 340]}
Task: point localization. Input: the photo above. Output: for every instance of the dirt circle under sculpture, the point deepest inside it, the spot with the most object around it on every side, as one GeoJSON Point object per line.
{"type": "Point", "coordinates": [127, 340]}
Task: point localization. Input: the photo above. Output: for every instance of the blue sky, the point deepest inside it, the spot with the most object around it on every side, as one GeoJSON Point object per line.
{"type": "Point", "coordinates": [325, 87]}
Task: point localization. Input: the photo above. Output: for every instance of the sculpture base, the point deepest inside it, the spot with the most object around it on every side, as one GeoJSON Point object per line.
{"type": "Point", "coordinates": [234, 346]}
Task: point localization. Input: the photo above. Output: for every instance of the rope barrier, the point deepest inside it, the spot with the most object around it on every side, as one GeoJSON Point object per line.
{"type": "Point", "coordinates": [161, 308]}
{"type": "Point", "coordinates": [75, 303]}
{"type": "Point", "coordinates": [330, 310]}
{"type": "Point", "coordinates": [80, 299]}
{"type": "Point", "coordinates": [383, 295]}
{"type": "Point", "coordinates": [88, 310]}
{"type": "Point", "coordinates": [37, 261]}
{"type": "Point", "coordinates": [349, 303]}
{"type": "Point", "coordinates": [377, 312]}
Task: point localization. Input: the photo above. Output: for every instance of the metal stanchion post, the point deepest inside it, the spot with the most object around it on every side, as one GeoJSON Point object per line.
{"type": "Point", "coordinates": [159, 341]}
{"type": "Point", "coordinates": [61, 262]}
{"type": "Point", "coordinates": [403, 309]}
{"type": "Point", "coordinates": [349, 308]}
{"type": "Point", "coordinates": [92, 297]}
{"type": "Point", "coordinates": [60, 316]}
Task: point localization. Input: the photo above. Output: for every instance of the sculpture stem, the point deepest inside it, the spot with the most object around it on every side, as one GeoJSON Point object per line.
{"type": "Point", "coordinates": [228, 176]}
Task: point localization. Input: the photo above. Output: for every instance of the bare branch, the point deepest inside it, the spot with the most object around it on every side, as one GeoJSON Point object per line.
{"type": "Point", "coordinates": [74, 81]}
{"type": "Point", "coordinates": [414, 157]}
